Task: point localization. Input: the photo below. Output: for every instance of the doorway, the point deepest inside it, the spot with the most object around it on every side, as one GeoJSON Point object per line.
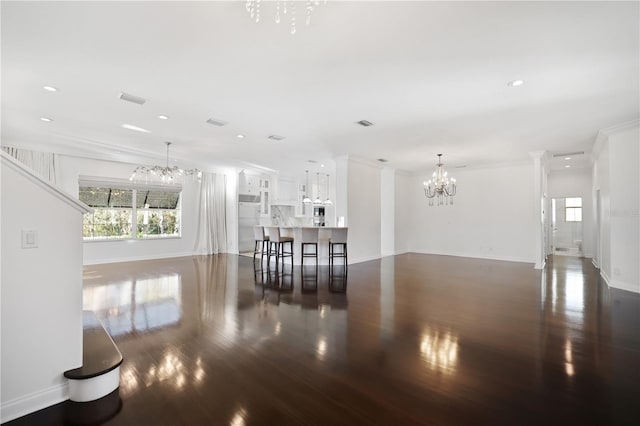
{"type": "Point", "coordinates": [566, 226]}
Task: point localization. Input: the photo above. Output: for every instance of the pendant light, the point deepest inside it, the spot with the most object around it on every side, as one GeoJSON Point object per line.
{"type": "Point", "coordinates": [305, 198]}
{"type": "Point", "coordinates": [328, 201]}
{"type": "Point", "coordinates": [317, 200]}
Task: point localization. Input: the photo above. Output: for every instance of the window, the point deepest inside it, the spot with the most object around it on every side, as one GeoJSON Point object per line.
{"type": "Point", "coordinates": [124, 212]}
{"type": "Point", "coordinates": [573, 209]}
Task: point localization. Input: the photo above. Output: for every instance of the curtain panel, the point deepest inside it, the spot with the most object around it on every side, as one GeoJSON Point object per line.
{"type": "Point", "coordinates": [211, 231]}
{"type": "Point", "coordinates": [43, 163]}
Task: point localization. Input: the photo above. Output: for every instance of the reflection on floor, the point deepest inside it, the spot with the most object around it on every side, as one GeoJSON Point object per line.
{"type": "Point", "coordinates": [412, 339]}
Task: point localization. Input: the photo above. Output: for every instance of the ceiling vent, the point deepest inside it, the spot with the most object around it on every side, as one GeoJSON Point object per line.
{"type": "Point", "coordinates": [568, 154]}
{"type": "Point", "coordinates": [216, 122]}
{"type": "Point", "coordinates": [383, 160]}
{"type": "Point", "coordinates": [364, 123]}
{"type": "Point", "coordinates": [132, 98]}
{"type": "Point", "coordinates": [276, 137]}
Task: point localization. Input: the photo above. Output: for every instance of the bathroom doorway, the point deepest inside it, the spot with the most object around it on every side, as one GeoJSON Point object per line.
{"type": "Point", "coordinates": [566, 226]}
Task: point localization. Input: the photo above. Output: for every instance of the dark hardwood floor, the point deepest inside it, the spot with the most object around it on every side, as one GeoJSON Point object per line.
{"type": "Point", "coordinates": [410, 339]}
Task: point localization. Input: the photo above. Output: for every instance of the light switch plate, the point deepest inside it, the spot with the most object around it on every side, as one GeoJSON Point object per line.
{"type": "Point", "coordinates": [29, 238]}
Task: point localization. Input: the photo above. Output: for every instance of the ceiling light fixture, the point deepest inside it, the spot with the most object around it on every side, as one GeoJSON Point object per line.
{"type": "Point", "coordinates": [328, 201]}
{"type": "Point", "coordinates": [46, 119]}
{"type": "Point", "coordinates": [283, 7]}
{"type": "Point", "coordinates": [50, 88]}
{"type": "Point", "coordinates": [440, 186]}
{"type": "Point", "coordinates": [318, 200]}
{"type": "Point", "coordinates": [136, 128]}
{"type": "Point", "coordinates": [515, 83]}
{"type": "Point", "coordinates": [567, 166]}
{"type": "Point", "coordinates": [163, 117]}
{"type": "Point", "coordinates": [305, 198]}
{"type": "Point", "coordinates": [567, 158]}
{"type": "Point", "coordinates": [165, 174]}
{"type": "Point", "coordinates": [240, 136]}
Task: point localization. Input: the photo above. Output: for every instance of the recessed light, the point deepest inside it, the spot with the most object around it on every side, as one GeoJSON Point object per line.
{"type": "Point", "coordinates": [163, 117]}
{"type": "Point", "coordinates": [567, 166]}
{"type": "Point", "coordinates": [240, 136]}
{"type": "Point", "coordinates": [136, 128]}
{"type": "Point", "coordinates": [50, 88]}
{"type": "Point", "coordinates": [567, 158]}
{"type": "Point", "coordinates": [46, 119]}
{"type": "Point", "coordinates": [321, 165]}
{"type": "Point", "coordinates": [515, 83]}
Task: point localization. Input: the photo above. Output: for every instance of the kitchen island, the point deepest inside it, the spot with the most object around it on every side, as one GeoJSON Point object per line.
{"type": "Point", "coordinates": [323, 243]}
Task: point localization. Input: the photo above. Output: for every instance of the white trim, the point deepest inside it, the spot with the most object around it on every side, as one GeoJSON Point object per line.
{"type": "Point", "coordinates": [540, 265]}
{"type": "Point", "coordinates": [605, 278]}
{"type": "Point", "coordinates": [621, 285]}
{"type": "Point", "coordinates": [47, 186]}
{"type": "Point", "coordinates": [594, 263]}
{"type": "Point", "coordinates": [362, 259]}
{"type": "Point", "coordinates": [475, 256]}
{"type": "Point", "coordinates": [32, 402]}
{"type": "Point", "coordinates": [137, 258]}
{"type": "Point", "coordinates": [85, 390]}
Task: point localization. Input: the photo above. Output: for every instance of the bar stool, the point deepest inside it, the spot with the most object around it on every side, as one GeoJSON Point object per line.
{"type": "Point", "coordinates": [277, 245]}
{"type": "Point", "coordinates": [309, 238]}
{"type": "Point", "coordinates": [338, 238]}
{"type": "Point", "coordinates": [261, 240]}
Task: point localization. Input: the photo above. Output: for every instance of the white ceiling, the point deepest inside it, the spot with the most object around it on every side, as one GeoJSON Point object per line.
{"type": "Point", "coordinates": [431, 76]}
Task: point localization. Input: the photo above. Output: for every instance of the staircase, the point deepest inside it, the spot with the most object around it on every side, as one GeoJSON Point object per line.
{"type": "Point", "coordinates": [99, 374]}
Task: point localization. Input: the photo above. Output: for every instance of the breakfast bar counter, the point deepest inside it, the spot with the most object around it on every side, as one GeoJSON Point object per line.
{"type": "Point", "coordinates": [323, 243]}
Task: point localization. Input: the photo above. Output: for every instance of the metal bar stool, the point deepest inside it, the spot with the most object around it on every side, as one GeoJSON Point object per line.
{"type": "Point", "coordinates": [277, 245]}
{"type": "Point", "coordinates": [338, 238]}
{"type": "Point", "coordinates": [262, 240]}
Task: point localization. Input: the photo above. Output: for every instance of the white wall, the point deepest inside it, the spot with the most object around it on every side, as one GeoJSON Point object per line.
{"type": "Point", "coordinates": [358, 199]}
{"type": "Point", "coordinates": [41, 296]}
{"type": "Point", "coordinates": [404, 193]}
{"type": "Point", "coordinates": [624, 154]}
{"type": "Point", "coordinates": [576, 183]}
{"type": "Point", "coordinates": [492, 216]}
{"type": "Point", "coordinates": [601, 184]}
{"type": "Point", "coordinates": [387, 212]}
{"type": "Point", "coordinates": [68, 171]}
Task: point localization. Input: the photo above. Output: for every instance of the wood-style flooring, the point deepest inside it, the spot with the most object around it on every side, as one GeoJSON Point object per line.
{"type": "Point", "coordinates": [410, 339]}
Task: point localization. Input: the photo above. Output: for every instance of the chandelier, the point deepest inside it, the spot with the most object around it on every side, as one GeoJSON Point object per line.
{"type": "Point", "coordinates": [166, 175]}
{"type": "Point", "coordinates": [440, 186]}
{"type": "Point", "coordinates": [283, 7]}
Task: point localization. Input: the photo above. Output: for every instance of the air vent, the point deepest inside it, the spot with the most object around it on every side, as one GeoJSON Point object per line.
{"type": "Point", "coordinates": [312, 161]}
{"type": "Point", "coordinates": [276, 137]}
{"type": "Point", "coordinates": [364, 123]}
{"type": "Point", "coordinates": [216, 122]}
{"type": "Point", "coordinates": [568, 154]}
{"type": "Point", "coordinates": [132, 98]}
{"type": "Point", "coordinates": [383, 160]}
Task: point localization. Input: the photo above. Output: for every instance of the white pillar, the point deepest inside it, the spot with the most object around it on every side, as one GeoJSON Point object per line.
{"type": "Point", "coordinates": [538, 206]}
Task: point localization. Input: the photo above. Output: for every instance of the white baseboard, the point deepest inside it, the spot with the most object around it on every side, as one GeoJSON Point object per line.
{"type": "Point", "coordinates": [606, 279]}
{"type": "Point", "coordinates": [363, 259]}
{"type": "Point", "coordinates": [32, 402]}
{"type": "Point", "coordinates": [474, 256]}
{"type": "Point", "coordinates": [621, 285]}
{"type": "Point", "coordinates": [540, 265]}
{"type": "Point", "coordinates": [137, 258]}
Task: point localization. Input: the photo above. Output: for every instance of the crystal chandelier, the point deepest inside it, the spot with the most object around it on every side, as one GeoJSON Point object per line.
{"type": "Point", "coordinates": [166, 175]}
{"type": "Point", "coordinates": [440, 186]}
{"type": "Point", "coordinates": [283, 7]}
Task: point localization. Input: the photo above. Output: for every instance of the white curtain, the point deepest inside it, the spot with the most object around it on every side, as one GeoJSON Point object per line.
{"type": "Point", "coordinates": [43, 163]}
{"type": "Point", "coordinates": [211, 233]}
